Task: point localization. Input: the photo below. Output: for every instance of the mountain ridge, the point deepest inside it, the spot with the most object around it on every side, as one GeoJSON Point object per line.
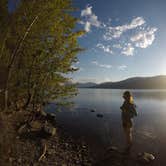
{"type": "Point", "coordinates": [153, 82]}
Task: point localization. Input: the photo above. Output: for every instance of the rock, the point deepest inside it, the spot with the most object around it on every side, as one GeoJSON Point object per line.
{"type": "Point", "coordinates": [51, 117]}
{"type": "Point", "coordinates": [11, 159]}
{"type": "Point", "coordinates": [113, 149]}
{"type": "Point", "coordinates": [99, 115]}
{"type": "Point", "coordinates": [36, 125]}
{"type": "Point", "coordinates": [92, 110]}
{"type": "Point", "coordinates": [83, 146]}
{"type": "Point", "coordinates": [43, 113]}
{"type": "Point", "coordinates": [49, 129]}
{"type": "Point", "coordinates": [19, 160]}
{"type": "Point", "coordinates": [145, 157]}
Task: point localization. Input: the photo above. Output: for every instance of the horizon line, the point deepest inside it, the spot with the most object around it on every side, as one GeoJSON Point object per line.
{"type": "Point", "coordinates": [119, 80]}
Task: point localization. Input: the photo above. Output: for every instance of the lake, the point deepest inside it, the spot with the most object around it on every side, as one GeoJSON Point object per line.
{"type": "Point", "coordinates": [100, 133]}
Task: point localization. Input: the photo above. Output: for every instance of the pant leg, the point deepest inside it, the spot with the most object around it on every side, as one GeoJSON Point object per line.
{"type": "Point", "coordinates": [128, 135]}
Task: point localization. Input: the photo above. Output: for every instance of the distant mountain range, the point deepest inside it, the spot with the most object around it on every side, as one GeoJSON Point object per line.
{"type": "Point", "coordinates": [156, 82]}
{"type": "Point", "coordinates": [86, 85]}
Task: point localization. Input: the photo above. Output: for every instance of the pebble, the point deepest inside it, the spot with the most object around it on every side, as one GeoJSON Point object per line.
{"type": "Point", "coordinates": [11, 159]}
{"type": "Point", "coordinates": [146, 157]}
{"type": "Point", "coordinates": [99, 115]}
{"type": "Point", "coordinates": [19, 160]}
{"type": "Point", "coordinates": [92, 110]}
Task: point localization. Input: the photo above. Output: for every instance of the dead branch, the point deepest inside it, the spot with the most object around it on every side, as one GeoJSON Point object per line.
{"type": "Point", "coordinates": [44, 152]}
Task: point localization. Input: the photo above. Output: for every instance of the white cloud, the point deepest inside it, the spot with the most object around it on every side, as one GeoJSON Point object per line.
{"type": "Point", "coordinates": [105, 66]}
{"type": "Point", "coordinates": [102, 65]}
{"type": "Point", "coordinates": [138, 21]}
{"type": "Point", "coordinates": [87, 26]}
{"type": "Point", "coordinates": [106, 49]}
{"type": "Point", "coordinates": [117, 31]}
{"type": "Point", "coordinates": [128, 50]}
{"type": "Point", "coordinates": [74, 67]}
{"type": "Point", "coordinates": [144, 38]}
{"type": "Point", "coordinates": [87, 11]}
{"type": "Point", "coordinates": [90, 19]}
{"type": "Point", "coordinates": [117, 46]}
{"type": "Point", "coordinates": [112, 33]}
{"type": "Point", "coordinates": [93, 19]}
{"type": "Point", "coordinates": [122, 67]}
{"type": "Point", "coordinates": [77, 63]}
{"type": "Point", "coordinates": [81, 22]}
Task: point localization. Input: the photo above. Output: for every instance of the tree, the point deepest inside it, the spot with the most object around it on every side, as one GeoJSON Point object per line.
{"type": "Point", "coordinates": [38, 44]}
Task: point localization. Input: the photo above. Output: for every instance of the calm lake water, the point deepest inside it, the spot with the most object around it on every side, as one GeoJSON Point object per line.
{"type": "Point", "coordinates": [149, 127]}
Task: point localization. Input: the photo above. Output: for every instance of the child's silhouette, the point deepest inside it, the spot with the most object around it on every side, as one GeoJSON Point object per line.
{"type": "Point", "coordinates": [128, 112]}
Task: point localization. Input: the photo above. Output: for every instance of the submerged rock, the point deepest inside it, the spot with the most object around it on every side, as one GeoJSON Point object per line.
{"type": "Point", "coordinates": [49, 129]}
{"type": "Point", "coordinates": [99, 115]}
{"type": "Point", "coordinates": [113, 149]}
{"type": "Point", "coordinates": [51, 117]}
{"type": "Point", "coordinates": [92, 110]}
{"type": "Point", "coordinates": [43, 113]}
{"type": "Point", "coordinates": [145, 157]}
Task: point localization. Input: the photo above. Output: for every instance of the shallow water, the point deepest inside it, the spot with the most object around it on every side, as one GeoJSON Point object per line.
{"type": "Point", "coordinates": [149, 127]}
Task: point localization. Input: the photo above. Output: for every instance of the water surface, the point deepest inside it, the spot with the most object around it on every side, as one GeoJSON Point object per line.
{"type": "Point", "coordinates": [149, 126]}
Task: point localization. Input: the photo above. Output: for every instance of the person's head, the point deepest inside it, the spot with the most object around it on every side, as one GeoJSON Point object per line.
{"type": "Point", "coordinates": [128, 96]}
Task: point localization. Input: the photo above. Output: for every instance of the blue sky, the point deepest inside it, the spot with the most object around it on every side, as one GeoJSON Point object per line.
{"type": "Point", "coordinates": [125, 38]}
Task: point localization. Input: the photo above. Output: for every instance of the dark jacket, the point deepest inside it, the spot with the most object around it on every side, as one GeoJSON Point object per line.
{"type": "Point", "coordinates": [128, 112]}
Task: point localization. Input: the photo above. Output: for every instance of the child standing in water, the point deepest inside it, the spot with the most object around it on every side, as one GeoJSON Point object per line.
{"type": "Point", "coordinates": [128, 112]}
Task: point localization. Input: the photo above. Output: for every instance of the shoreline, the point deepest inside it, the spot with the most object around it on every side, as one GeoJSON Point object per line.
{"type": "Point", "coordinates": [27, 149]}
{"type": "Point", "coordinates": [34, 148]}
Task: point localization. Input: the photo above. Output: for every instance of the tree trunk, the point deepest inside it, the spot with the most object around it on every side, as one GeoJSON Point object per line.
{"type": "Point", "coordinates": [17, 49]}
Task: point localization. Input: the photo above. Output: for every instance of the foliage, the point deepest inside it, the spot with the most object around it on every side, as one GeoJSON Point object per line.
{"type": "Point", "coordinates": [38, 45]}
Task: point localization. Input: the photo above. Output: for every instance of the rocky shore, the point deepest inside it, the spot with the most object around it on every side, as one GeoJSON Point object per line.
{"type": "Point", "coordinates": [34, 140]}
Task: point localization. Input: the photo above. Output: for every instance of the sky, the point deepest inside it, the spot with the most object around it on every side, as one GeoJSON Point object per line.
{"type": "Point", "coordinates": [124, 38]}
